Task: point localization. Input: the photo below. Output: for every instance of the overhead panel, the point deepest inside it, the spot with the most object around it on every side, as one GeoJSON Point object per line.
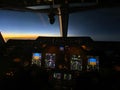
{"type": "Point", "coordinates": [46, 2]}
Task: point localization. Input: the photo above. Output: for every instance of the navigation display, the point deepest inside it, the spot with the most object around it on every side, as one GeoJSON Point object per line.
{"type": "Point", "coordinates": [76, 62]}
{"type": "Point", "coordinates": [50, 60]}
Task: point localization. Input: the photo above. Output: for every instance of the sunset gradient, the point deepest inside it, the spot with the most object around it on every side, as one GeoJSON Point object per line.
{"type": "Point", "coordinates": [100, 25]}
{"type": "Point", "coordinates": [24, 36]}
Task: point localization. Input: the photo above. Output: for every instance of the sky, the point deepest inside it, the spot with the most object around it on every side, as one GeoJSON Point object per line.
{"type": "Point", "coordinates": [99, 24]}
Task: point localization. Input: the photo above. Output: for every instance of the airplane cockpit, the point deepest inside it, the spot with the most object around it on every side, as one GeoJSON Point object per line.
{"type": "Point", "coordinates": [62, 62]}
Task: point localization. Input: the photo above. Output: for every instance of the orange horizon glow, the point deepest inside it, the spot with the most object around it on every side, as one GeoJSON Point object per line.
{"type": "Point", "coordinates": [23, 36]}
{"type": "Point", "coordinates": [18, 36]}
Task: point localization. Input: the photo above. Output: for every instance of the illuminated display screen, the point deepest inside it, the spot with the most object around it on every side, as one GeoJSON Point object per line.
{"type": "Point", "coordinates": [93, 63]}
{"type": "Point", "coordinates": [36, 58]}
{"type": "Point", "coordinates": [50, 60]}
{"type": "Point", "coordinates": [76, 62]}
{"type": "Point", "coordinates": [61, 48]}
{"type": "Point", "coordinates": [57, 75]}
{"type": "Point", "coordinates": [92, 60]}
{"type": "Point", "coordinates": [67, 76]}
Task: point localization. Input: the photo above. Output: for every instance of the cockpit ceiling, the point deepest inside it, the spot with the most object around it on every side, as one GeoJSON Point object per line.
{"type": "Point", "coordinates": [41, 2]}
{"type": "Point", "coordinates": [44, 4]}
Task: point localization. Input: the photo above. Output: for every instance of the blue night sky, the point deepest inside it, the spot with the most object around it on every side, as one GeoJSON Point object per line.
{"type": "Point", "coordinates": [99, 24]}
